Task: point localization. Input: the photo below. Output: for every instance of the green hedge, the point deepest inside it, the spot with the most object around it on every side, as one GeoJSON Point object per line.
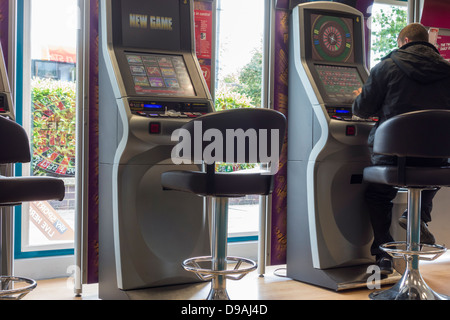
{"type": "Point", "coordinates": [53, 128]}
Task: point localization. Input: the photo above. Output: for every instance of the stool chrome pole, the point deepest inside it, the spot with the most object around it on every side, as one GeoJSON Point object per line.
{"type": "Point", "coordinates": [219, 249]}
{"type": "Point", "coordinates": [219, 262]}
{"type": "Point", "coordinates": [413, 226]}
{"type": "Point", "coordinates": [411, 286]}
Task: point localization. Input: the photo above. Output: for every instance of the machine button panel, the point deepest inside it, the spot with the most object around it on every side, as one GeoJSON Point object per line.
{"type": "Point", "coordinates": [346, 114]}
{"type": "Point", "coordinates": [168, 115]}
{"type": "Point", "coordinates": [151, 109]}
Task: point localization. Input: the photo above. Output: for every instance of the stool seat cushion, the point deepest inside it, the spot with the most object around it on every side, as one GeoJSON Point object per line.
{"type": "Point", "coordinates": [413, 176]}
{"type": "Point", "coordinates": [14, 145]}
{"type": "Point", "coordinates": [15, 190]}
{"type": "Point", "coordinates": [222, 184]}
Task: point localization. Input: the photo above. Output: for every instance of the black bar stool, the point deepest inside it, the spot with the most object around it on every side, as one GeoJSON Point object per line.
{"type": "Point", "coordinates": [236, 136]}
{"type": "Point", "coordinates": [419, 134]}
{"type": "Point", "coordinates": [15, 148]}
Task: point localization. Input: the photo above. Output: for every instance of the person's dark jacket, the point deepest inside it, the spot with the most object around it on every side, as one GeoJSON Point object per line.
{"type": "Point", "coordinates": [414, 77]}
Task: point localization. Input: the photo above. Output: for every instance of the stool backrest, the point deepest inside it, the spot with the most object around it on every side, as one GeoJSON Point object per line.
{"type": "Point", "coordinates": [14, 143]}
{"type": "Point", "coordinates": [424, 134]}
{"type": "Point", "coordinates": [249, 135]}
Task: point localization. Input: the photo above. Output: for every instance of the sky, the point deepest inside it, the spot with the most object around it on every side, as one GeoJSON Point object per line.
{"type": "Point", "coordinates": [53, 29]}
{"type": "Point", "coordinates": [240, 33]}
{"type": "Point", "coordinates": [240, 30]}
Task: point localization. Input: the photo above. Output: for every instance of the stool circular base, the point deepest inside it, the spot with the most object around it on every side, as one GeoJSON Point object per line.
{"type": "Point", "coordinates": [410, 287]}
{"type": "Point", "coordinates": [192, 265]}
{"type": "Point", "coordinates": [15, 294]}
{"type": "Point", "coordinates": [218, 288]}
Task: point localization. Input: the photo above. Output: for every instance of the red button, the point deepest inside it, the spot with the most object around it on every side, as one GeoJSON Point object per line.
{"type": "Point", "coordinates": [155, 128]}
{"type": "Point", "coordinates": [350, 131]}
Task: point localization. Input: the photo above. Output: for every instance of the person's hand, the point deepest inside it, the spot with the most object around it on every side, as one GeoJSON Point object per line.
{"type": "Point", "coordinates": [357, 92]}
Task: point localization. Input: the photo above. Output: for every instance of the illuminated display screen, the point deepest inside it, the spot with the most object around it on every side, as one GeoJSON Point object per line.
{"type": "Point", "coordinates": [160, 75]}
{"type": "Point", "coordinates": [150, 23]}
{"type": "Point", "coordinates": [339, 82]}
{"type": "Point", "coordinates": [332, 38]}
{"type": "Point", "coordinates": [153, 106]}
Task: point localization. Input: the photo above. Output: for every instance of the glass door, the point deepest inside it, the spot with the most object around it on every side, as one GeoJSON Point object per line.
{"type": "Point", "coordinates": [47, 63]}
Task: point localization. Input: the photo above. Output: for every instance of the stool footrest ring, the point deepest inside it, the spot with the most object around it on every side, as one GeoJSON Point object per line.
{"type": "Point", "coordinates": [237, 273]}
{"type": "Point", "coordinates": [427, 252]}
{"type": "Point", "coordinates": [15, 294]}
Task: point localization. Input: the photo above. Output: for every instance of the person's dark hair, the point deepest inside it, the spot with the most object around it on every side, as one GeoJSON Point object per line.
{"type": "Point", "coordinates": [414, 32]}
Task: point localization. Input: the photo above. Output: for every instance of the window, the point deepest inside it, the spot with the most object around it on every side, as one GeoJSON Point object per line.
{"type": "Point", "coordinates": [47, 61]}
{"type": "Point", "coordinates": [238, 85]}
{"type": "Point", "coordinates": [388, 18]}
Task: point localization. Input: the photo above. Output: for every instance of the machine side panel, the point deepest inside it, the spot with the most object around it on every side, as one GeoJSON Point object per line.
{"type": "Point", "coordinates": [109, 126]}
{"type": "Point", "coordinates": [299, 256]}
{"type": "Point", "coordinates": [304, 132]}
{"type": "Point", "coordinates": [107, 261]}
{"type": "Point", "coordinates": [110, 131]}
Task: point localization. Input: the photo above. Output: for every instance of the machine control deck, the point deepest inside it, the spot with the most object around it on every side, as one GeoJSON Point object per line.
{"type": "Point", "coordinates": [169, 114]}
{"type": "Point", "coordinates": [345, 114]}
{"type": "Point", "coordinates": [152, 109]}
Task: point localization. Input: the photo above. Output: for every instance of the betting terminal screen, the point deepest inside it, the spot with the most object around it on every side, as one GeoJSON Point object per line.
{"type": "Point", "coordinates": [160, 75]}
{"type": "Point", "coordinates": [334, 52]}
{"type": "Point", "coordinates": [339, 82]}
{"type": "Point", "coordinates": [332, 38]}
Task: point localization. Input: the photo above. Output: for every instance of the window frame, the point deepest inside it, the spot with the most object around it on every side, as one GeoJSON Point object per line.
{"type": "Point", "coordinates": [23, 99]}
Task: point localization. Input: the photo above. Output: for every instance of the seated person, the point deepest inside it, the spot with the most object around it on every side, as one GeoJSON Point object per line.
{"type": "Point", "coordinates": [413, 77]}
